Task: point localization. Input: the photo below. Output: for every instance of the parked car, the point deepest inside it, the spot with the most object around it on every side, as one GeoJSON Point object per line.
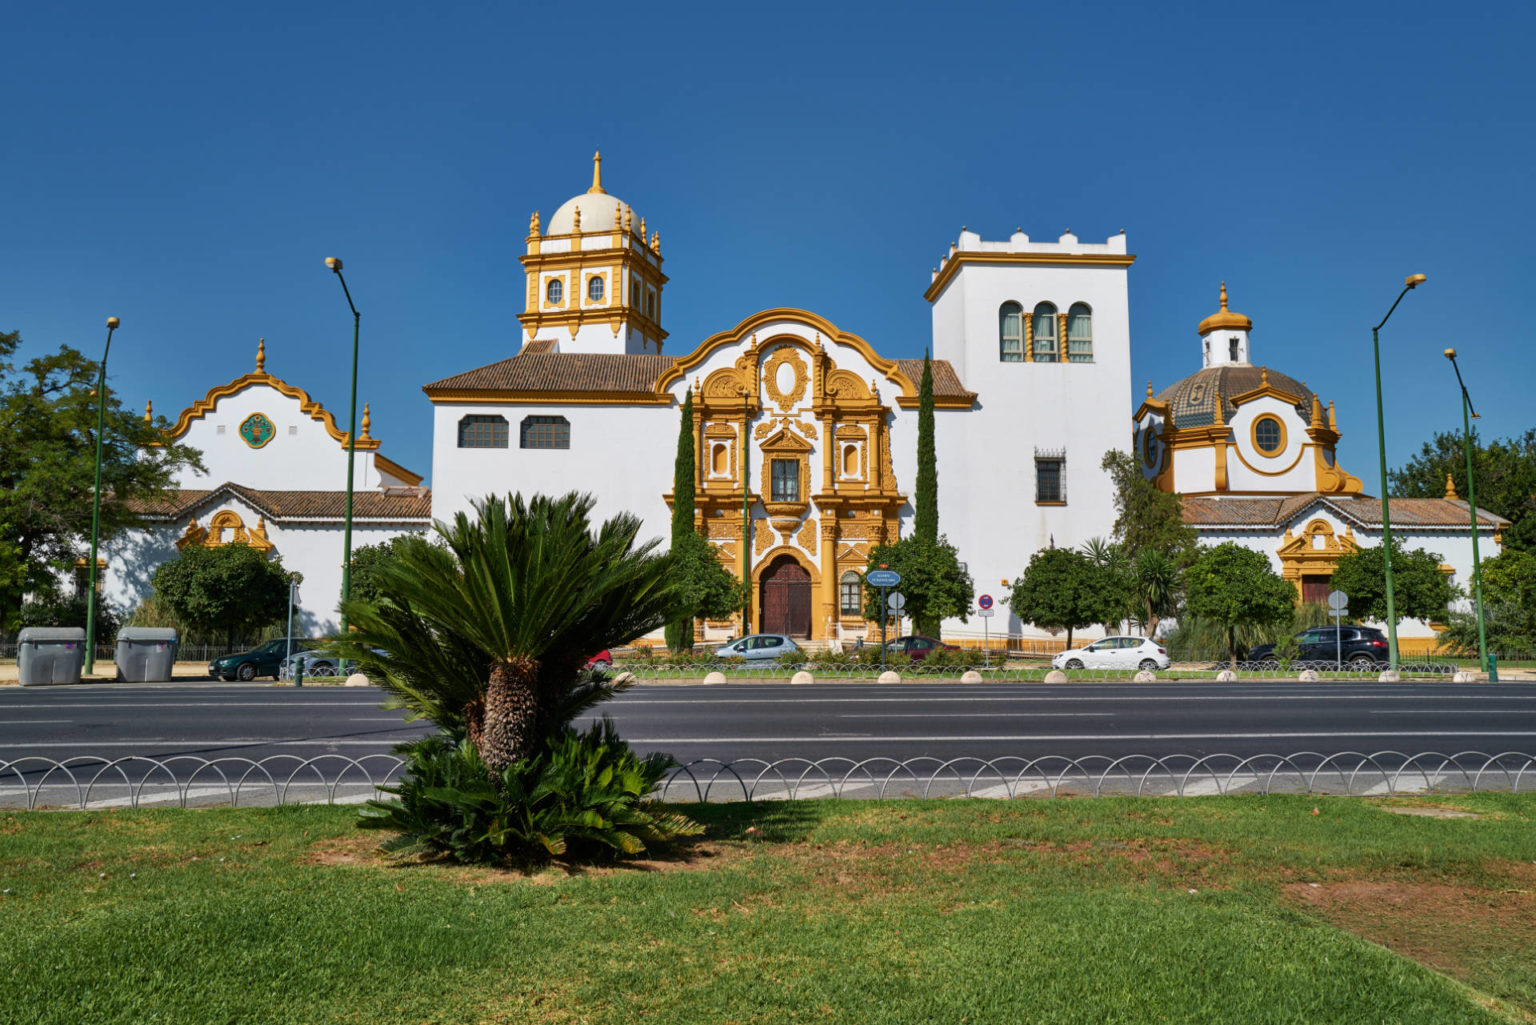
{"type": "Point", "coordinates": [916, 646]}
{"type": "Point", "coordinates": [758, 646]}
{"type": "Point", "coordinates": [1115, 653]}
{"type": "Point", "coordinates": [263, 660]}
{"type": "Point", "coordinates": [320, 662]}
{"type": "Point", "coordinates": [602, 660]}
{"type": "Point", "coordinates": [1357, 645]}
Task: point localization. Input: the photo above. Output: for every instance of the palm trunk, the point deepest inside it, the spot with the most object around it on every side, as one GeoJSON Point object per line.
{"type": "Point", "coordinates": [504, 728]}
{"type": "Point", "coordinates": [1232, 646]}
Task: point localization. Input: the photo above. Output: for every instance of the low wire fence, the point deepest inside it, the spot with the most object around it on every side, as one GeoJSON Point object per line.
{"type": "Point", "coordinates": [783, 671]}
{"type": "Point", "coordinates": [189, 781]}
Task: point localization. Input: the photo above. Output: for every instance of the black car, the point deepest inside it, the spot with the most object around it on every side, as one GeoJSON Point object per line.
{"type": "Point", "coordinates": [1357, 645]}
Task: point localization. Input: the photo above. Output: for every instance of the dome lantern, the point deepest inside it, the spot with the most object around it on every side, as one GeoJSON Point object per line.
{"type": "Point", "coordinates": [1224, 335]}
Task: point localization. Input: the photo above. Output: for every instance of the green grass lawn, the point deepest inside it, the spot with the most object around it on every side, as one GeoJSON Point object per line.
{"type": "Point", "coordinates": [1235, 909]}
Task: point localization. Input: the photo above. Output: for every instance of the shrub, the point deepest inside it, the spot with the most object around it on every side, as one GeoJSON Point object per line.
{"type": "Point", "coordinates": [580, 796]}
{"type": "Point", "coordinates": [961, 658]}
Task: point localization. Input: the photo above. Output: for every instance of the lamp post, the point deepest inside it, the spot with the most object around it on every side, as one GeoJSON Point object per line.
{"type": "Point", "coordinates": [1468, 414]}
{"type": "Point", "coordinates": [101, 425]}
{"type": "Point", "coordinates": [334, 263]}
{"type": "Point", "coordinates": [1409, 283]}
{"type": "Point", "coordinates": [746, 515]}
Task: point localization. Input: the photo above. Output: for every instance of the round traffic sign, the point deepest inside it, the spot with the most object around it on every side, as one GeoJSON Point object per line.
{"type": "Point", "coordinates": [985, 601]}
{"type": "Point", "coordinates": [896, 602]}
{"type": "Point", "coordinates": [1338, 601]}
{"type": "Point", "coordinates": [883, 578]}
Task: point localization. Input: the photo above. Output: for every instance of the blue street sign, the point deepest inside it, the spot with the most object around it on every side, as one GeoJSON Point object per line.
{"type": "Point", "coordinates": [985, 601]}
{"type": "Point", "coordinates": [883, 578]}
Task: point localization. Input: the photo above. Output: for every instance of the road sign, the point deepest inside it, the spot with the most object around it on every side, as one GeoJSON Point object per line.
{"type": "Point", "coordinates": [1338, 601]}
{"type": "Point", "coordinates": [985, 601]}
{"type": "Point", "coordinates": [882, 578]}
{"type": "Point", "coordinates": [987, 613]}
{"type": "Point", "coordinates": [896, 602]}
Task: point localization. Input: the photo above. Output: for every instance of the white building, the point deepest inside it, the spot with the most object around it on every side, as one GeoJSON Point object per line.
{"type": "Point", "coordinates": [1251, 451]}
{"type": "Point", "coordinates": [275, 478]}
{"type": "Point", "coordinates": [801, 420]}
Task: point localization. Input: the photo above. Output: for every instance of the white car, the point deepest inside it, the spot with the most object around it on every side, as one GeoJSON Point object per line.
{"type": "Point", "coordinates": [1115, 653]}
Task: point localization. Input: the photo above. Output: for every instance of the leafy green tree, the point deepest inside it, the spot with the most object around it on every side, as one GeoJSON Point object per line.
{"type": "Point", "coordinates": [366, 561]}
{"type": "Point", "coordinates": [1234, 587]}
{"type": "Point", "coordinates": [232, 589]}
{"type": "Point", "coordinates": [925, 519]}
{"type": "Point", "coordinates": [1062, 589]}
{"type": "Point", "coordinates": [488, 632]}
{"type": "Point", "coordinates": [934, 583]}
{"type": "Point", "coordinates": [705, 588]}
{"type": "Point", "coordinates": [1116, 579]}
{"type": "Point", "coordinates": [1506, 478]}
{"type": "Point", "coordinates": [679, 632]}
{"type": "Point", "coordinates": [1419, 589]}
{"type": "Point", "coordinates": [1146, 518]}
{"type": "Point", "coordinates": [1509, 608]}
{"type": "Point", "coordinates": [69, 610]}
{"type": "Point", "coordinates": [47, 469]}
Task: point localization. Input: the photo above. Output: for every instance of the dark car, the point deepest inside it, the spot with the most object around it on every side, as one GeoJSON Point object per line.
{"type": "Point", "coordinates": [1357, 645]}
{"type": "Point", "coordinates": [262, 660]}
{"type": "Point", "coordinates": [917, 647]}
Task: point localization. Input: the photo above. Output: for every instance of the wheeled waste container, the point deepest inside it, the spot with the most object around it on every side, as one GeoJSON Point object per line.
{"type": "Point", "coordinates": [50, 654]}
{"type": "Point", "coordinates": [146, 654]}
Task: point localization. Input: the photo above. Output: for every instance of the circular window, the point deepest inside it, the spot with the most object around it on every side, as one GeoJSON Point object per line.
{"type": "Point", "coordinates": [554, 292]}
{"type": "Point", "coordinates": [595, 288]}
{"type": "Point", "coordinates": [1268, 435]}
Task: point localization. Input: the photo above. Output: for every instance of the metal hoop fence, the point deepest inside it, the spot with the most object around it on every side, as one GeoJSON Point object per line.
{"type": "Point", "coordinates": [190, 781]}
{"type": "Point", "coordinates": [826, 671]}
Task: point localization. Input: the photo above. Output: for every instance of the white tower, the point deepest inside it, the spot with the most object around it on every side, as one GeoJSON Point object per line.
{"type": "Point", "coordinates": [1224, 336]}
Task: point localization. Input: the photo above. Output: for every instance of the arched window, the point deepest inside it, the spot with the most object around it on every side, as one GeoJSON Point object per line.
{"type": "Point", "coordinates": [851, 587]}
{"type": "Point", "coordinates": [718, 464]}
{"type": "Point", "coordinates": [1080, 333]}
{"type": "Point", "coordinates": [1232, 350]}
{"type": "Point", "coordinates": [545, 432]}
{"type": "Point", "coordinates": [595, 288]}
{"type": "Point", "coordinates": [1046, 350]}
{"type": "Point", "coordinates": [1010, 333]}
{"type": "Point", "coordinates": [650, 305]}
{"type": "Point", "coordinates": [483, 432]}
{"type": "Point", "coordinates": [554, 292]}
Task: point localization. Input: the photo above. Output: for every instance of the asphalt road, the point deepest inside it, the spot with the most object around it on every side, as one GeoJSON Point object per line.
{"type": "Point", "coordinates": [855, 721]}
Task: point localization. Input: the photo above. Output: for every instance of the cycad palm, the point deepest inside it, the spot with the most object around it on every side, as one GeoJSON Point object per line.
{"type": "Point", "coordinates": [487, 631]}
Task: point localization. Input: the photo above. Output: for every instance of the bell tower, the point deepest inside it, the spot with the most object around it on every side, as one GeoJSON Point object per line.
{"type": "Point", "coordinates": [594, 280]}
{"type": "Point", "coordinates": [1224, 336]}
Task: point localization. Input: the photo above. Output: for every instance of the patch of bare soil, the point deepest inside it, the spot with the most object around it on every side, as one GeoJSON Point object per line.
{"type": "Point", "coordinates": [1451, 928]}
{"type": "Point", "coordinates": [1431, 811]}
{"type": "Point", "coordinates": [363, 850]}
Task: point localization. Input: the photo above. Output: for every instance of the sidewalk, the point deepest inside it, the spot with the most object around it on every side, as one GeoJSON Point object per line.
{"type": "Point", "coordinates": [106, 672]}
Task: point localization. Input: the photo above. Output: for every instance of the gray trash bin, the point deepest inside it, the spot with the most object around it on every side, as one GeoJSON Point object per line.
{"type": "Point", "coordinates": [50, 654]}
{"type": "Point", "coordinates": [146, 654]}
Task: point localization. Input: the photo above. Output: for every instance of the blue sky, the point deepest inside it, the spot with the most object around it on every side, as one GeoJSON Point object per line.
{"type": "Point", "coordinates": [188, 168]}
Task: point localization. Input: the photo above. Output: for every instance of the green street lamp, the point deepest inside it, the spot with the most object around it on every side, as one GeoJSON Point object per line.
{"type": "Point", "coordinates": [334, 263]}
{"type": "Point", "coordinates": [101, 426]}
{"type": "Point", "coordinates": [1409, 283]}
{"type": "Point", "coordinates": [1468, 414]}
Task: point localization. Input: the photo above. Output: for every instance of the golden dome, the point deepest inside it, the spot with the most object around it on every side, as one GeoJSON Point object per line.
{"type": "Point", "coordinates": [1224, 317]}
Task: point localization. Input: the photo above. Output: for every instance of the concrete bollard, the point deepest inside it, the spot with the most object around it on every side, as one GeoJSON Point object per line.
{"type": "Point", "coordinates": [1462, 676]}
{"type": "Point", "coordinates": [625, 679]}
{"type": "Point", "coordinates": [1388, 676]}
{"type": "Point", "coordinates": [1055, 676]}
{"type": "Point", "coordinates": [890, 676]}
{"type": "Point", "coordinates": [970, 676]}
{"type": "Point", "coordinates": [715, 677]}
{"type": "Point", "coordinates": [1145, 676]}
{"type": "Point", "coordinates": [1226, 676]}
{"type": "Point", "coordinates": [1308, 676]}
{"type": "Point", "coordinates": [357, 680]}
{"type": "Point", "coordinates": [802, 677]}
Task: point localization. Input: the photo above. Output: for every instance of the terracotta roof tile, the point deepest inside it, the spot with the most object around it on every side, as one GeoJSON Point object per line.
{"type": "Point", "coordinates": [281, 506]}
{"type": "Point", "coordinates": [945, 381]}
{"type": "Point", "coordinates": [1267, 511]}
{"type": "Point", "coordinates": [561, 372]}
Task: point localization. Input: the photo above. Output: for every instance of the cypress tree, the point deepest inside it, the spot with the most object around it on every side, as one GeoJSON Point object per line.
{"type": "Point", "coordinates": [679, 632]}
{"type": "Point", "coordinates": [925, 524]}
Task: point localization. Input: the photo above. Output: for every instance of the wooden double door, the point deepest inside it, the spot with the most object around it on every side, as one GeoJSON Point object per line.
{"type": "Point", "coordinates": [785, 598]}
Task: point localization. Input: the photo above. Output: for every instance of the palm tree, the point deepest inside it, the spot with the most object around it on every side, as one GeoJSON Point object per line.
{"type": "Point", "coordinates": [487, 628]}
{"type": "Point", "coordinates": [1157, 587]}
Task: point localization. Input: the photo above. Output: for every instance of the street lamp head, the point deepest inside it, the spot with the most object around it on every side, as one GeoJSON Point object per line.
{"type": "Point", "coordinates": [1450, 354]}
{"type": "Point", "coordinates": [112, 323]}
{"type": "Point", "coordinates": [334, 262]}
{"type": "Point", "coordinates": [1415, 280]}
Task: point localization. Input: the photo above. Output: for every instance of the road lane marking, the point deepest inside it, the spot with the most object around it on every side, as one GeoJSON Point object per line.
{"type": "Point", "coordinates": [1088, 737]}
{"type": "Point", "coordinates": [627, 702]}
{"type": "Point", "coordinates": [211, 744]}
{"type": "Point", "coordinates": [976, 715]}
